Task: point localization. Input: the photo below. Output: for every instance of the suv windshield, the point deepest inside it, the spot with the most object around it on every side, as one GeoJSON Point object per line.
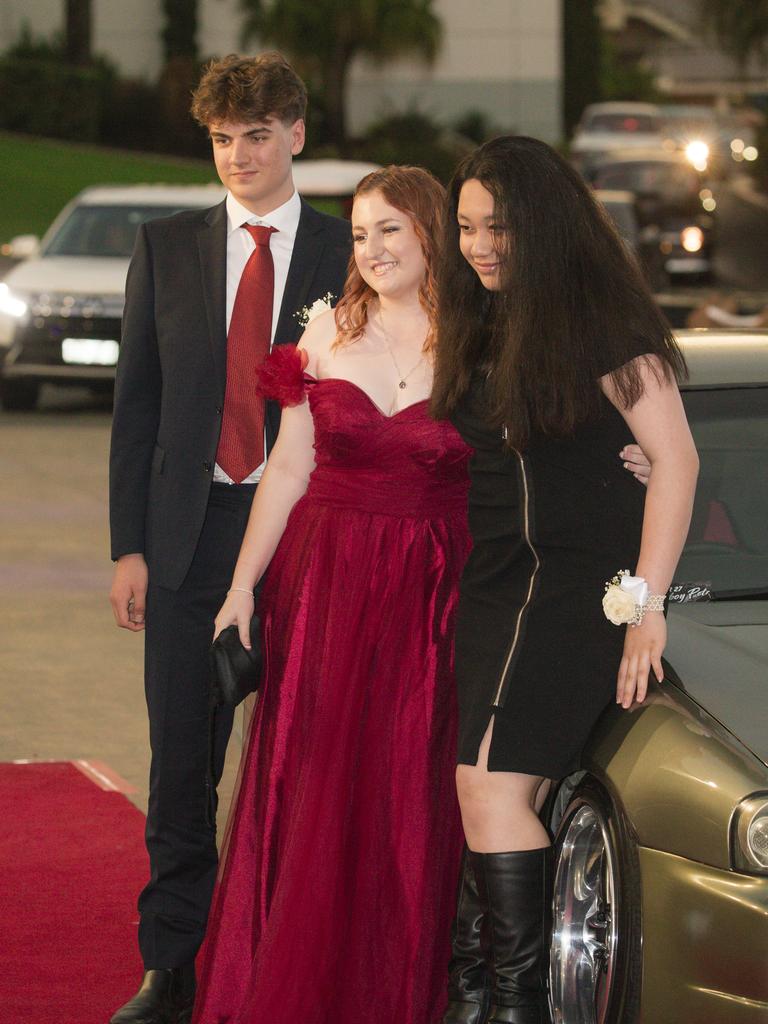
{"type": "Point", "coordinates": [103, 230]}
{"type": "Point", "coordinates": [649, 177]}
{"type": "Point", "coordinates": [621, 123]}
{"type": "Point", "coordinates": [727, 545]}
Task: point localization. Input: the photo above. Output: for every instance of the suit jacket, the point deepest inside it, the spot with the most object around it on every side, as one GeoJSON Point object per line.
{"type": "Point", "coordinates": [171, 374]}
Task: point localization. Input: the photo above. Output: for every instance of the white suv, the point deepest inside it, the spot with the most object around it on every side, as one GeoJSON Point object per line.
{"type": "Point", "coordinates": [60, 308]}
{"type": "Point", "coordinates": [607, 126]}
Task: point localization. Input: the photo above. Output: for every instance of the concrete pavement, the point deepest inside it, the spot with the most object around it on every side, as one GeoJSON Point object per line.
{"type": "Point", "coordinates": [70, 682]}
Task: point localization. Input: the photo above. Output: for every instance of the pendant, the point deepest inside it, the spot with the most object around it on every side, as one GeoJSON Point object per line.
{"type": "Point", "coordinates": [402, 385]}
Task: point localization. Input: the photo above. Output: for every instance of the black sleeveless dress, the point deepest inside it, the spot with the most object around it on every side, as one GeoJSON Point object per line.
{"type": "Point", "coordinates": [549, 526]}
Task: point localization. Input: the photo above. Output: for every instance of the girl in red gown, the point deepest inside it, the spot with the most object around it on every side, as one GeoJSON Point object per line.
{"type": "Point", "coordinates": [335, 900]}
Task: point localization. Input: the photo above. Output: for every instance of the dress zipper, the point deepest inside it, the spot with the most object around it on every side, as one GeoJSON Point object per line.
{"type": "Point", "coordinates": [537, 563]}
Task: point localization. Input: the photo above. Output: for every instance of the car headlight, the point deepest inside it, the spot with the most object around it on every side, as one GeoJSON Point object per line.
{"type": "Point", "coordinates": [697, 154]}
{"type": "Point", "coordinates": [692, 238]}
{"type": "Point", "coordinates": [749, 835]}
{"type": "Point", "coordinates": [13, 309]}
{"type": "Point", "coordinates": [10, 304]}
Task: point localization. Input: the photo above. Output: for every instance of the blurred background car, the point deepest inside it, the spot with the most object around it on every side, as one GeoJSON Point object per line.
{"type": "Point", "coordinates": [675, 206]}
{"type": "Point", "coordinates": [61, 306]}
{"type": "Point", "coordinates": [607, 126]}
{"type": "Point", "coordinates": [661, 891]}
{"type": "Point", "coordinates": [643, 242]}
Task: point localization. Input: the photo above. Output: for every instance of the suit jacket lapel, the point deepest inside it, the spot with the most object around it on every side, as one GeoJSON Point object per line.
{"type": "Point", "coordinates": [212, 249]}
{"type": "Point", "coordinates": [307, 254]}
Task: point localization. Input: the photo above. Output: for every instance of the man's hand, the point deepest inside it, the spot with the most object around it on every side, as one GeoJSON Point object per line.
{"type": "Point", "coordinates": [128, 595]}
{"type": "Point", "coordinates": [636, 462]}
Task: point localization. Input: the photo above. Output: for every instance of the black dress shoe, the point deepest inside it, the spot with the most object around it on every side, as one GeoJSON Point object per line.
{"type": "Point", "coordinates": [165, 997]}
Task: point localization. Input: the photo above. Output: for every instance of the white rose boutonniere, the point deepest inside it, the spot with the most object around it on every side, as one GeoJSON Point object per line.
{"type": "Point", "coordinates": [307, 314]}
{"type": "Point", "coordinates": [619, 605]}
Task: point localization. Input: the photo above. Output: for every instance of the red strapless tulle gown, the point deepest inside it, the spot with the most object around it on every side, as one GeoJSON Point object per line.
{"type": "Point", "coordinates": [335, 902]}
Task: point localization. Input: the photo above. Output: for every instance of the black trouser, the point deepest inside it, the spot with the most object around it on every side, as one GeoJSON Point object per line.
{"type": "Point", "coordinates": [180, 838]}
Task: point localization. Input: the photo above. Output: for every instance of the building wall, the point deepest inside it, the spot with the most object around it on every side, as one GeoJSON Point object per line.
{"type": "Point", "coordinates": [127, 33]}
{"type": "Point", "coordinates": [500, 57]}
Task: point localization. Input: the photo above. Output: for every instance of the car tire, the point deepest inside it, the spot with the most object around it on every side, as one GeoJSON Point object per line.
{"type": "Point", "coordinates": [596, 957]}
{"type": "Point", "coordinates": [19, 395]}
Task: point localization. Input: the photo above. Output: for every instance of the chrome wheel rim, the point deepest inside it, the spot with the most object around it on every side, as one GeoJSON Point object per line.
{"type": "Point", "coordinates": [585, 920]}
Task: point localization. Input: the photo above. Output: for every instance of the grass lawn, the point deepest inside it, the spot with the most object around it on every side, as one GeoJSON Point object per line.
{"type": "Point", "coordinates": [38, 176]}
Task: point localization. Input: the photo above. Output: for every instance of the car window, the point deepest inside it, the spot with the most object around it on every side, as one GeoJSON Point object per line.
{"type": "Point", "coordinates": [103, 230]}
{"type": "Point", "coordinates": [622, 123]}
{"type": "Point", "coordinates": [727, 545]}
{"type": "Point", "coordinates": [666, 179]}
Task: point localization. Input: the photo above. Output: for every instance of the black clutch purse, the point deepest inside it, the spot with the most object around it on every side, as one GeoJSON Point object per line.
{"type": "Point", "coordinates": [235, 672]}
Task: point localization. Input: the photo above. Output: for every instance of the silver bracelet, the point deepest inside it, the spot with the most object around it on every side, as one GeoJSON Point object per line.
{"type": "Point", "coordinates": [654, 603]}
{"type": "Point", "coordinates": [241, 590]}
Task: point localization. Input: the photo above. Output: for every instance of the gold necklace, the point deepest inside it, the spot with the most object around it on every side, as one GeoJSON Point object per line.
{"type": "Point", "coordinates": [388, 342]}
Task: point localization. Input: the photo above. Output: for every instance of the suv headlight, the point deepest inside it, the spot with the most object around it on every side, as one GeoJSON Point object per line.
{"type": "Point", "coordinates": [749, 835]}
{"type": "Point", "coordinates": [10, 304]}
{"type": "Point", "coordinates": [697, 153]}
{"type": "Point", "coordinates": [13, 309]}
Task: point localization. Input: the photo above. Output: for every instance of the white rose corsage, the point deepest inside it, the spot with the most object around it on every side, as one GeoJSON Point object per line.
{"type": "Point", "coordinates": [307, 314]}
{"type": "Point", "coordinates": [626, 599]}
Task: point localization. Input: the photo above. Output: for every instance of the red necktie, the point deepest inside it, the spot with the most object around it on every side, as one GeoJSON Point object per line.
{"type": "Point", "coordinates": [241, 443]}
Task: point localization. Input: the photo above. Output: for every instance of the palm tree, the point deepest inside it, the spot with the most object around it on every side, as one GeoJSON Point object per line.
{"type": "Point", "coordinates": [582, 59]}
{"type": "Point", "coordinates": [741, 27]}
{"type": "Point", "coordinates": [322, 37]}
{"type": "Point", "coordinates": [78, 24]}
{"type": "Point", "coordinates": [179, 33]}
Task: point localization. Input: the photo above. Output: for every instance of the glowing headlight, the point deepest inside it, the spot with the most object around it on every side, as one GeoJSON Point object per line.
{"type": "Point", "coordinates": [697, 153]}
{"type": "Point", "coordinates": [750, 153]}
{"type": "Point", "coordinates": [749, 834]}
{"type": "Point", "coordinates": [11, 304]}
{"type": "Point", "coordinates": [692, 238]}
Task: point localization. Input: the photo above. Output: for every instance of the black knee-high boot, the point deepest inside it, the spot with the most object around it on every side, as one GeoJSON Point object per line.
{"type": "Point", "coordinates": [469, 985]}
{"type": "Point", "coordinates": [516, 889]}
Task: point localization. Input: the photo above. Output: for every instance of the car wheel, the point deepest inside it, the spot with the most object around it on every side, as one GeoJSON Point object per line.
{"type": "Point", "coordinates": [18, 395]}
{"type": "Point", "coordinates": [596, 961]}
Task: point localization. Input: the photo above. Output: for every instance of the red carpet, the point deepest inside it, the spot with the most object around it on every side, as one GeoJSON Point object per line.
{"type": "Point", "coordinates": [72, 862]}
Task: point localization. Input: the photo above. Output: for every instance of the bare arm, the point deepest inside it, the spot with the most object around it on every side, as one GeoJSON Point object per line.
{"type": "Point", "coordinates": [658, 422]}
{"type": "Point", "coordinates": [284, 481]}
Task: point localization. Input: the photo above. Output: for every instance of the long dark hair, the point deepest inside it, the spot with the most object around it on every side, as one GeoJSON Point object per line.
{"type": "Point", "coordinates": [572, 305]}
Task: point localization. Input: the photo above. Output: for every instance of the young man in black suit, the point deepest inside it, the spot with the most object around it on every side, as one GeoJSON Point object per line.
{"type": "Point", "coordinates": [207, 293]}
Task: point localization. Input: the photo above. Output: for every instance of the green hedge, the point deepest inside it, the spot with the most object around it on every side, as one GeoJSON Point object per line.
{"type": "Point", "coordinates": [41, 97]}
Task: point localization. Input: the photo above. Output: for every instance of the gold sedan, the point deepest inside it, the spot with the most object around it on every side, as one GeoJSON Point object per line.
{"type": "Point", "coordinates": [661, 890]}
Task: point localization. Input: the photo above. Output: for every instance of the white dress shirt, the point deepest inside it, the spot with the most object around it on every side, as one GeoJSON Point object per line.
{"type": "Point", "coordinates": [240, 245]}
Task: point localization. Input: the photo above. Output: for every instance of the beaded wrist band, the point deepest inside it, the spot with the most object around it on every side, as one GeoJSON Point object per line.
{"type": "Point", "coordinates": [627, 599]}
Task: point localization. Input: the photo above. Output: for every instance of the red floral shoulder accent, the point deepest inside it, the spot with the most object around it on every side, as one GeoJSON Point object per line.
{"type": "Point", "coordinates": [281, 375]}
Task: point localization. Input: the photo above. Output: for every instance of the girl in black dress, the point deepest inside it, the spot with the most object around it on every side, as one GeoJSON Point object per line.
{"type": "Point", "coordinates": [551, 356]}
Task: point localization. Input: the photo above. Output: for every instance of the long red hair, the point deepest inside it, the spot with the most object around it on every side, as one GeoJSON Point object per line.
{"type": "Point", "coordinates": [421, 197]}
